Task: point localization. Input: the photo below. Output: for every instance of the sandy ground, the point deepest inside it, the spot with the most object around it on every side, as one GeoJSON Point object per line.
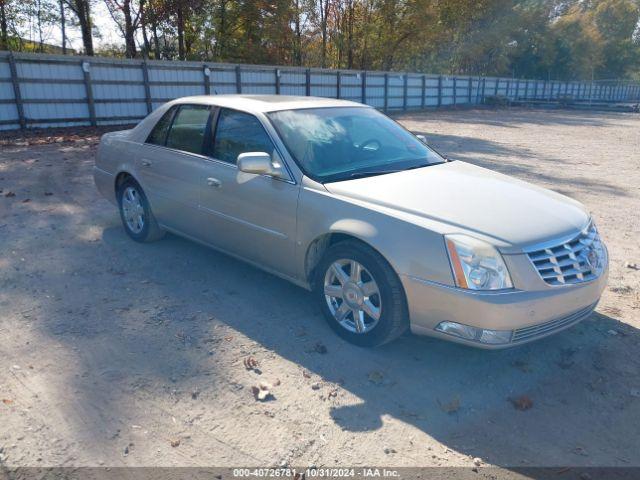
{"type": "Point", "coordinates": [115, 353]}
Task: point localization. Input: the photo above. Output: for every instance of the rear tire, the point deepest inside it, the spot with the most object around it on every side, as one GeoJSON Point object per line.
{"type": "Point", "coordinates": [135, 212]}
{"type": "Point", "coordinates": [367, 308]}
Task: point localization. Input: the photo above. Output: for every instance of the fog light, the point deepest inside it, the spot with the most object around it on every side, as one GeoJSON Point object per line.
{"type": "Point", "coordinates": [459, 330]}
{"type": "Point", "coordinates": [490, 337]}
{"type": "Point", "coordinates": [495, 337]}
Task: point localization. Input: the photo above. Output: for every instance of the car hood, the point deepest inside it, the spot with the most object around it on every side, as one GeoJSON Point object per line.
{"type": "Point", "coordinates": [458, 197]}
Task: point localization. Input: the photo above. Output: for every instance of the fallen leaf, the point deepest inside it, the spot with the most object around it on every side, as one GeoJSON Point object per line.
{"type": "Point", "coordinates": [262, 391]}
{"type": "Point", "coordinates": [306, 374]}
{"type": "Point", "coordinates": [175, 443]}
{"type": "Point", "coordinates": [26, 200]}
{"type": "Point", "coordinates": [48, 194]}
{"type": "Point", "coordinates": [320, 348]}
{"type": "Point", "coordinates": [522, 402]}
{"type": "Point", "coordinates": [9, 194]}
{"type": "Point", "coordinates": [6, 401]}
{"type": "Point", "coordinates": [333, 393]}
{"type": "Point", "coordinates": [250, 363]}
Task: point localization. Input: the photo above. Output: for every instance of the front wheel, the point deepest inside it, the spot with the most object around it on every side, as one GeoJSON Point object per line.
{"type": "Point", "coordinates": [360, 294]}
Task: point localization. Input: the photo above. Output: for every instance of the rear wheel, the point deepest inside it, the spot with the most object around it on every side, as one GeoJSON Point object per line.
{"type": "Point", "coordinates": [360, 294]}
{"type": "Point", "coordinates": [135, 213]}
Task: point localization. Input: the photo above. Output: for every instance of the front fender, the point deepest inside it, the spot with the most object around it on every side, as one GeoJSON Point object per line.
{"type": "Point", "coordinates": [410, 249]}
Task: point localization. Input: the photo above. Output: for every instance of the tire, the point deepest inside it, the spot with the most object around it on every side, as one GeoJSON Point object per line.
{"type": "Point", "coordinates": [390, 301]}
{"type": "Point", "coordinates": [131, 198]}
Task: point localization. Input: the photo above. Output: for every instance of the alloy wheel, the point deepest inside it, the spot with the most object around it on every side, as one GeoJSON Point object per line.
{"type": "Point", "coordinates": [133, 210]}
{"type": "Point", "coordinates": [352, 295]}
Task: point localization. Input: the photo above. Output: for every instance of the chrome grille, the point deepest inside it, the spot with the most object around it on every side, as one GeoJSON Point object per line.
{"type": "Point", "coordinates": [528, 333]}
{"type": "Point", "coordinates": [574, 261]}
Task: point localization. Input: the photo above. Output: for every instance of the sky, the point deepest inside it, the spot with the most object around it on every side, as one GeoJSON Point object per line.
{"type": "Point", "coordinates": [103, 23]}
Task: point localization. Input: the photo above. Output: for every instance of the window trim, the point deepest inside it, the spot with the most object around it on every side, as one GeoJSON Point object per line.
{"type": "Point", "coordinates": [214, 127]}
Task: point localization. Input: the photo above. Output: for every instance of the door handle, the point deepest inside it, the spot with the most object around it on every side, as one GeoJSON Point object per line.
{"type": "Point", "coordinates": [146, 163]}
{"type": "Point", "coordinates": [213, 182]}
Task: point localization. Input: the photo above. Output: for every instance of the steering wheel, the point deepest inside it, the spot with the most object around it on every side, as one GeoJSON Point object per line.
{"type": "Point", "coordinates": [366, 146]}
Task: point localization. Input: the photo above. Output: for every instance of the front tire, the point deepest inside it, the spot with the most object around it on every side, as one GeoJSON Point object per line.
{"type": "Point", "coordinates": [135, 212]}
{"type": "Point", "coordinates": [360, 294]}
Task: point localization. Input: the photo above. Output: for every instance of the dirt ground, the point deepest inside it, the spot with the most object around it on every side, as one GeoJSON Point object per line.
{"type": "Point", "coordinates": [119, 354]}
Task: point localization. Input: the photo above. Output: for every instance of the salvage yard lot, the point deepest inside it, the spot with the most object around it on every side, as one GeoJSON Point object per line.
{"type": "Point", "coordinates": [116, 353]}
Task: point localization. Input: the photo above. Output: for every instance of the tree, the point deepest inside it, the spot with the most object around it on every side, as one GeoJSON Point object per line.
{"type": "Point", "coordinates": [82, 11]}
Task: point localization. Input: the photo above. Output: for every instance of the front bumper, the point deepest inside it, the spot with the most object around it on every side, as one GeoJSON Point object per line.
{"type": "Point", "coordinates": [529, 315]}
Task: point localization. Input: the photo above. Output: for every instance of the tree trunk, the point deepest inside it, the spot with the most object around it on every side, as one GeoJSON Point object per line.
{"type": "Point", "coordinates": [324, 10]}
{"type": "Point", "coordinates": [297, 54]}
{"type": "Point", "coordinates": [350, 21]}
{"type": "Point", "coordinates": [83, 11]}
{"type": "Point", "coordinates": [222, 30]}
{"type": "Point", "coordinates": [156, 40]}
{"type": "Point", "coordinates": [4, 34]}
{"type": "Point", "coordinates": [180, 14]}
{"type": "Point", "coordinates": [129, 30]}
{"type": "Point", "coordinates": [143, 25]}
{"type": "Point", "coordinates": [63, 28]}
{"type": "Point", "coordinates": [39, 20]}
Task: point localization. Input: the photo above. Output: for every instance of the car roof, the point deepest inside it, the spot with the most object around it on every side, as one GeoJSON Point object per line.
{"type": "Point", "coordinates": [267, 103]}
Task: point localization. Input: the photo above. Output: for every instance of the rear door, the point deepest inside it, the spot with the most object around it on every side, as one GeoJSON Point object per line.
{"type": "Point", "coordinates": [169, 165]}
{"type": "Point", "coordinates": [253, 216]}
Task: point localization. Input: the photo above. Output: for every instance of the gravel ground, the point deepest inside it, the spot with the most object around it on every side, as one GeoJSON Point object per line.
{"type": "Point", "coordinates": [120, 354]}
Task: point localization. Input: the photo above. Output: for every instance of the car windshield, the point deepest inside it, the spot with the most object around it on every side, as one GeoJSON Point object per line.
{"type": "Point", "coordinates": [341, 143]}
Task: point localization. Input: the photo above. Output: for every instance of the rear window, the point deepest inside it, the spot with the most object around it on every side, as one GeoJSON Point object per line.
{"type": "Point", "coordinates": [188, 128]}
{"type": "Point", "coordinates": [158, 135]}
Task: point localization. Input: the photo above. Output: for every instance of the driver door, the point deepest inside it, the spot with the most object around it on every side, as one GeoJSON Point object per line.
{"type": "Point", "coordinates": [253, 216]}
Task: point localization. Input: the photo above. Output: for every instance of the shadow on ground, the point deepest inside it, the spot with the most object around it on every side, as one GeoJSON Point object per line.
{"type": "Point", "coordinates": [152, 318]}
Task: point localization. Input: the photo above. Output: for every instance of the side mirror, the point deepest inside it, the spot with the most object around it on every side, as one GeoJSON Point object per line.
{"type": "Point", "coordinates": [256, 162]}
{"type": "Point", "coordinates": [423, 139]}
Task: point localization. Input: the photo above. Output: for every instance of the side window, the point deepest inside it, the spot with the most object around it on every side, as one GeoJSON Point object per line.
{"type": "Point", "coordinates": [158, 135]}
{"type": "Point", "coordinates": [239, 132]}
{"type": "Point", "coordinates": [188, 128]}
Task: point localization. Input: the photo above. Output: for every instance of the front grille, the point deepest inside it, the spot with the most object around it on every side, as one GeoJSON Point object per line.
{"type": "Point", "coordinates": [528, 333]}
{"type": "Point", "coordinates": [577, 260]}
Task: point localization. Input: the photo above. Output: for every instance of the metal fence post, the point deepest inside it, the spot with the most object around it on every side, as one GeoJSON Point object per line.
{"type": "Point", "coordinates": [405, 85]}
{"type": "Point", "coordinates": [424, 91]}
{"type": "Point", "coordinates": [276, 73]}
{"type": "Point", "coordinates": [526, 89]}
{"type": "Point", "coordinates": [363, 93]}
{"type": "Point", "coordinates": [86, 72]}
{"type": "Point", "coordinates": [439, 90]}
{"type": "Point", "coordinates": [508, 87]}
{"type": "Point", "coordinates": [338, 83]}
{"type": "Point", "coordinates": [206, 74]}
{"type": "Point", "coordinates": [517, 89]}
{"type": "Point", "coordinates": [470, 88]}
{"type": "Point", "coordinates": [238, 79]}
{"type": "Point", "coordinates": [496, 86]}
{"type": "Point", "coordinates": [307, 82]}
{"type": "Point", "coordinates": [455, 91]}
{"type": "Point", "coordinates": [16, 91]}
{"type": "Point", "coordinates": [147, 88]}
{"type": "Point", "coordinates": [484, 87]}
{"type": "Point", "coordinates": [386, 92]}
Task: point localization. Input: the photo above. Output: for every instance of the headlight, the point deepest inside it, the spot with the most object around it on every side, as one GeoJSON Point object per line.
{"type": "Point", "coordinates": [476, 265]}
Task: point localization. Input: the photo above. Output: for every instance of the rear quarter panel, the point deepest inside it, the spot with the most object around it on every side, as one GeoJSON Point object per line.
{"type": "Point", "coordinates": [116, 153]}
